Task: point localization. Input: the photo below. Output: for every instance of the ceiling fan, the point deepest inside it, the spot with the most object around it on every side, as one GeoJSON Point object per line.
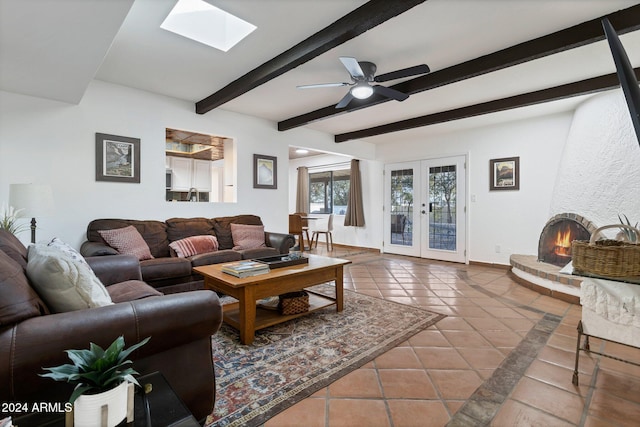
{"type": "Point", "coordinates": [363, 74]}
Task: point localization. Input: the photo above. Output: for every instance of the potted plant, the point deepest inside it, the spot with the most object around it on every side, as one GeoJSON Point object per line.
{"type": "Point", "coordinates": [101, 378]}
{"type": "Point", "coordinates": [627, 231]}
{"type": "Point", "coordinates": [9, 220]}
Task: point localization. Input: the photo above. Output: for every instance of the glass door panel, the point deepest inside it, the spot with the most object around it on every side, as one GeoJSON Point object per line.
{"type": "Point", "coordinates": [401, 190]}
{"type": "Point", "coordinates": [442, 207]}
{"type": "Point", "coordinates": [445, 238]}
{"type": "Point", "coordinates": [401, 232]}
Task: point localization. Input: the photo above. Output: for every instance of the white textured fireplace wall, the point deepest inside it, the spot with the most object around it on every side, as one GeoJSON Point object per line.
{"type": "Point", "coordinates": [599, 174]}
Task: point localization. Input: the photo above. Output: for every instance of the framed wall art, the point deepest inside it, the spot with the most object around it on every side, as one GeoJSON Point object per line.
{"type": "Point", "coordinates": [265, 171]}
{"type": "Point", "coordinates": [117, 158]}
{"type": "Point", "coordinates": [504, 174]}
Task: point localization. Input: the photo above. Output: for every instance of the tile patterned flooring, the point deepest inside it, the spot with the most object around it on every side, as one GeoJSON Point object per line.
{"type": "Point", "coordinates": [504, 356]}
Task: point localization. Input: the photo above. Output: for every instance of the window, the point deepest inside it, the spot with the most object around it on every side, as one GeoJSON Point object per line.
{"type": "Point", "coordinates": [329, 191]}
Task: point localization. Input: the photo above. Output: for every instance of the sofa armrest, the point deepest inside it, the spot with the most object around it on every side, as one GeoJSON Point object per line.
{"type": "Point", "coordinates": [281, 241]}
{"type": "Point", "coordinates": [96, 249]}
{"type": "Point", "coordinates": [172, 321]}
{"type": "Point", "coordinates": [115, 269]}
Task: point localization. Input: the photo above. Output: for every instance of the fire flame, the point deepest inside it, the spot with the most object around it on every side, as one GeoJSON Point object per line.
{"type": "Point", "coordinates": [563, 243]}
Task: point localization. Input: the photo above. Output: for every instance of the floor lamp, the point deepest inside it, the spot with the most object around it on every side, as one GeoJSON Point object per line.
{"type": "Point", "coordinates": [34, 200]}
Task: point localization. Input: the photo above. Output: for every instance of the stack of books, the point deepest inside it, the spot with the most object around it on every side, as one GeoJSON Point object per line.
{"type": "Point", "coordinates": [245, 268]}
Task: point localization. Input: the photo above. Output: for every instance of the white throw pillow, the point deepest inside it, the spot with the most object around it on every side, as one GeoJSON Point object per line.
{"type": "Point", "coordinates": [67, 249]}
{"type": "Point", "coordinates": [63, 283]}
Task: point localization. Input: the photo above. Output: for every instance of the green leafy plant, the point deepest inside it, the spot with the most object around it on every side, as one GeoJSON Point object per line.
{"type": "Point", "coordinates": [630, 234]}
{"type": "Point", "coordinates": [9, 220]}
{"type": "Point", "coordinates": [96, 370]}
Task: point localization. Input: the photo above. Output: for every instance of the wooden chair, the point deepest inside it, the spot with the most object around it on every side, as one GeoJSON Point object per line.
{"type": "Point", "coordinates": [305, 225]}
{"type": "Point", "coordinates": [295, 228]}
{"type": "Point", "coordinates": [327, 232]}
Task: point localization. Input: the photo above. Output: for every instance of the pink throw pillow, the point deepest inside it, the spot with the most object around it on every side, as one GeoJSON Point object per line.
{"type": "Point", "coordinates": [127, 241]}
{"type": "Point", "coordinates": [194, 245]}
{"type": "Point", "coordinates": [247, 236]}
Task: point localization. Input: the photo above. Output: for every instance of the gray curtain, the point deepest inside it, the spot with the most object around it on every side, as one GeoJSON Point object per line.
{"type": "Point", "coordinates": [302, 193]}
{"type": "Point", "coordinates": [355, 211]}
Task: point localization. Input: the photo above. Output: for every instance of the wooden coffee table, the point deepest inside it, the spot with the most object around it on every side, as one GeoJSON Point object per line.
{"type": "Point", "coordinates": [247, 318]}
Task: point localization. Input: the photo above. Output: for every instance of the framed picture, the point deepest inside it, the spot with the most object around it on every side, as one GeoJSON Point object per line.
{"type": "Point", "coordinates": [505, 173]}
{"type": "Point", "coordinates": [117, 158]}
{"type": "Point", "coordinates": [265, 171]}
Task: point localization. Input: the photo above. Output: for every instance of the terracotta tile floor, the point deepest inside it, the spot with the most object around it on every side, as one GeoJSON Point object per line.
{"type": "Point", "coordinates": [504, 356]}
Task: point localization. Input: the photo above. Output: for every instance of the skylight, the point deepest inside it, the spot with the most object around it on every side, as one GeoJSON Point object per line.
{"type": "Point", "coordinates": [204, 23]}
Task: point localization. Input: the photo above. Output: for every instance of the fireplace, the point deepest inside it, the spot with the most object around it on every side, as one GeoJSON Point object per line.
{"type": "Point", "coordinates": [554, 246]}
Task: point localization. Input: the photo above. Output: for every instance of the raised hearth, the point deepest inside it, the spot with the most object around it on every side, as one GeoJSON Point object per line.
{"type": "Point", "coordinates": [545, 278]}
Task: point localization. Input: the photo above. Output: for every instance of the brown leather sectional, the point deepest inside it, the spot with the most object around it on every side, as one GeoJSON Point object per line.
{"type": "Point", "coordinates": [168, 273]}
{"type": "Point", "coordinates": [31, 337]}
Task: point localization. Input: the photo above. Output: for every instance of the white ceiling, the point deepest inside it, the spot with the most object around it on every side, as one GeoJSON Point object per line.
{"type": "Point", "coordinates": [53, 49]}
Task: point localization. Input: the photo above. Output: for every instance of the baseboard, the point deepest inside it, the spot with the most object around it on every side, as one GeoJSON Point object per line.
{"type": "Point", "coordinates": [490, 264]}
{"type": "Point", "coordinates": [359, 248]}
{"type": "Point", "coordinates": [355, 248]}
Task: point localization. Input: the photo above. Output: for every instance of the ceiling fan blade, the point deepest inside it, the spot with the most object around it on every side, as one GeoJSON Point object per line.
{"type": "Point", "coordinates": [390, 93]}
{"type": "Point", "coordinates": [345, 100]}
{"type": "Point", "coordinates": [405, 72]}
{"type": "Point", "coordinates": [322, 85]}
{"type": "Point", "coordinates": [352, 66]}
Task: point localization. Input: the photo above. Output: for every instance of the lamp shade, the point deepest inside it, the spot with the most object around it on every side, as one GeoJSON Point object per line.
{"type": "Point", "coordinates": [34, 199]}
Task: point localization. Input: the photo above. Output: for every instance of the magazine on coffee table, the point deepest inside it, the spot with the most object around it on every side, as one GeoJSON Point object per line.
{"type": "Point", "coordinates": [245, 268]}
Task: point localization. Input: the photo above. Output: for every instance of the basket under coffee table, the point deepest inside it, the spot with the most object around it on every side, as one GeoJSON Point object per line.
{"type": "Point", "coordinates": [247, 317]}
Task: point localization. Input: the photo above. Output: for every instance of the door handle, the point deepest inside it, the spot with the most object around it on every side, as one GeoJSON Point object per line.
{"type": "Point", "coordinates": [430, 207]}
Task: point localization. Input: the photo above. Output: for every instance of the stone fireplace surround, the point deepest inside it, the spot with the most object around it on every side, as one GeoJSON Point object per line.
{"type": "Point", "coordinates": [598, 178]}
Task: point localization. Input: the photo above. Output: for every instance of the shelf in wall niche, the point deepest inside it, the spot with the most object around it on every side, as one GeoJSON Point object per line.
{"type": "Point", "coordinates": [183, 196]}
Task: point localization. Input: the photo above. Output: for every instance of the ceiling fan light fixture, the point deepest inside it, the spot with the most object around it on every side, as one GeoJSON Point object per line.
{"type": "Point", "coordinates": [362, 90]}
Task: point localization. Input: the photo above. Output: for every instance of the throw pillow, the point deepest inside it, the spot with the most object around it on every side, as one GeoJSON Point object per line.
{"type": "Point", "coordinates": [247, 236]}
{"type": "Point", "coordinates": [128, 241]}
{"type": "Point", "coordinates": [67, 249]}
{"type": "Point", "coordinates": [64, 283]}
{"type": "Point", "coordinates": [194, 245]}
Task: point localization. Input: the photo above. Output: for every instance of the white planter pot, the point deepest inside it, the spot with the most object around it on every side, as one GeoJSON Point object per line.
{"type": "Point", "coordinates": [87, 409]}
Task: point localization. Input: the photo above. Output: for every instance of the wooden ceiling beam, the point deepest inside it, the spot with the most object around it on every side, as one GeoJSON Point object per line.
{"type": "Point", "coordinates": [583, 87]}
{"type": "Point", "coordinates": [623, 21]}
{"type": "Point", "coordinates": [367, 16]}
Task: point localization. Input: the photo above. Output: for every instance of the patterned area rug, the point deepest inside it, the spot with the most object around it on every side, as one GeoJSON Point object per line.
{"type": "Point", "coordinates": [293, 360]}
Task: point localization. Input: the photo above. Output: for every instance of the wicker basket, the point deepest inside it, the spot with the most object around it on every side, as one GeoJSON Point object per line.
{"type": "Point", "coordinates": [294, 303]}
{"type": "Point", "coordinates": [607, 258]}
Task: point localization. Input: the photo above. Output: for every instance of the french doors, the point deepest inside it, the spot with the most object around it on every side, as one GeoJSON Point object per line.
{"type": "Point", "coordinates": [425, 213]}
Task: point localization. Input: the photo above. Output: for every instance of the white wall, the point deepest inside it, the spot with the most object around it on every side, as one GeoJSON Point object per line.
{"type": "Point", "coordinates": [512, 220]}
{"type": "Point", "coordinates": [599, 175]}
{"type": "Point", "coordinates": [43, 141]}
{"type": "Point", "coordinates": [587, 163]}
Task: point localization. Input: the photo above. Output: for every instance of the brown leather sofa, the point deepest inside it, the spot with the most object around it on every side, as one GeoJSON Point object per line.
{"type": "Point", "coordinates": [168, 273]}
{"type": "Point", "coordinates": [31, 337]}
